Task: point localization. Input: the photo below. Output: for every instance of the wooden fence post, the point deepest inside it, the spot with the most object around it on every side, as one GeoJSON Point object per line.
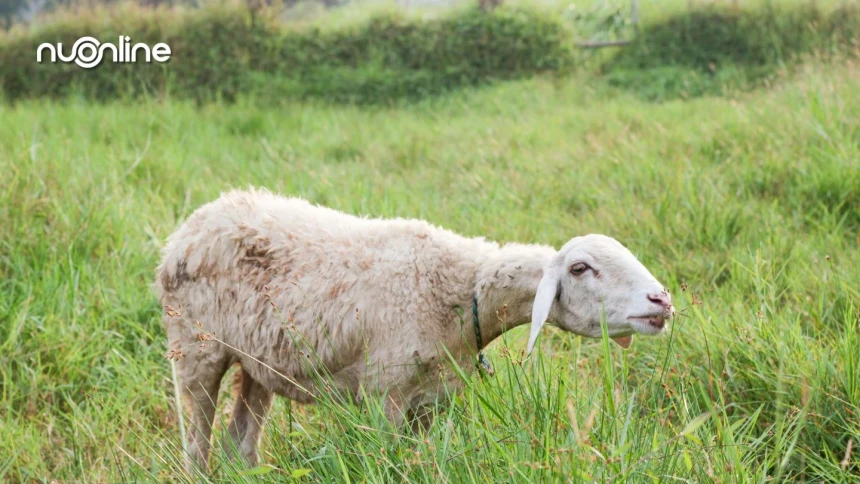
{"type": "Point", "coordinates": [634, 14]}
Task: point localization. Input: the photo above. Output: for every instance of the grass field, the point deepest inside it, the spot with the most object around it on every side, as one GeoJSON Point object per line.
{"type": "Point", "coordinates": [748, 208]}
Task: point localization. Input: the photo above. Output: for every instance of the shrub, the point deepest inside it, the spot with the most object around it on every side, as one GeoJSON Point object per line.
{"type": "Point", "coordinates": [717, 48]}
{"type": "Point", "coordinates": [220, 52]}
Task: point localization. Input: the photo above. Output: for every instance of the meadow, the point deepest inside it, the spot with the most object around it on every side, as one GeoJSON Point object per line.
{"type": "Point", "coordinates": [747, 206]}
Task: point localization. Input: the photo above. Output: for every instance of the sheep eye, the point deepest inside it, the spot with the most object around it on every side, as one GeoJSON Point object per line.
{"type": "Point", "coordinates": [579, 268]}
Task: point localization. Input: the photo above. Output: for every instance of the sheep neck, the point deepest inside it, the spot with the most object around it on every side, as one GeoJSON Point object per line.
{"type": "Point", "coordinates": [505, 287]}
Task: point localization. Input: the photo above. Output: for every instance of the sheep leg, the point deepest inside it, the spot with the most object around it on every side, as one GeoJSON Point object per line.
{"type": "Point", "coordinates": [249, 416]}
{"type": "Point", "coordinates": [200, 391]}
{"type": "Point", "coordinates": [421, 418]}
{"type": "Point", "coordinates": [394, 410]}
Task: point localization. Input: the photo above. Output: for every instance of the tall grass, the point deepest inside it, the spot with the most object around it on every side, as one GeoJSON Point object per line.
{"type": "Point", "coordinates": [747, 208]}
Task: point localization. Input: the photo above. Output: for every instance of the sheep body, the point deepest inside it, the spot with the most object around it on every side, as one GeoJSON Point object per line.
{"type": "Point", "coordinates": [290, 291]}
{"type": "Point", "coordinates": [265, 274]}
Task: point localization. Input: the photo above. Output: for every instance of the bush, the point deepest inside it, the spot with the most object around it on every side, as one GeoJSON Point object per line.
{"type": "Point", "coordinates": [220, 52]}
{"type": "Point", "coordinates": [714, 49]}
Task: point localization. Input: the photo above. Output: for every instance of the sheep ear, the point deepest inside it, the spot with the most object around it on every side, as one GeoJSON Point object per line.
{"type": "Point", "coordinates": [546, 292]}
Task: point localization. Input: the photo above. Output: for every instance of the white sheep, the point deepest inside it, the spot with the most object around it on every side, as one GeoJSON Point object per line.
{"type": "Point", "coordinates": [266, 281]}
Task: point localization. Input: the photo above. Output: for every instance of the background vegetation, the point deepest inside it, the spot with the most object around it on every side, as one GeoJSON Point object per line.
{"type": "Point", "coordinates": [385, 55]}
{"type": "Point", "coordinates": [742, 197]}
{"type": "Point", "coordinates": [220, 52]}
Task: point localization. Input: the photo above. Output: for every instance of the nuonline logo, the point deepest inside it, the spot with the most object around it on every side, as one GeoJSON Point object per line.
{"type": "Point", "coordinates": [87, 52]}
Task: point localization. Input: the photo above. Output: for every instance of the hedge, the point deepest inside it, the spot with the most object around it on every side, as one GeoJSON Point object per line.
{"type": "Point", "coordinates": [218, 53]}
{"type": "Point", "coordinates": [221, 52]}
{"type": "Point", "coordinates": [715, 49]}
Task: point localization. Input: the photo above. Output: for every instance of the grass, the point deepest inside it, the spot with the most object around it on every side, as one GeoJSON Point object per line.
{"type": "Point", "coordinates": [747, 207]}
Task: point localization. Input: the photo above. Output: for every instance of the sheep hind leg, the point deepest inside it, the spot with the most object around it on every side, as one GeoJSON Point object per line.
{"type": "Point", "coordinates": [253, 402]}
{"type": "Point", "coordinates": [200, 392]}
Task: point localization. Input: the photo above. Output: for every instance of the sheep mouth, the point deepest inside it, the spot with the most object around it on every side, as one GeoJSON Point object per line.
{"type": "Point", "coordinates": [656, 320]}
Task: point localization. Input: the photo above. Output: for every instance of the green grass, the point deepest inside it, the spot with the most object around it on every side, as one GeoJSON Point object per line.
{"type": "Point", "coordinates": [747, 208]}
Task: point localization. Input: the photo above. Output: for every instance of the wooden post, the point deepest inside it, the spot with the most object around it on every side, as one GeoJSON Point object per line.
{"type": "Point", "coordinates": [634, 14]}
{"type": "Point", "coordinates": [600, 44]}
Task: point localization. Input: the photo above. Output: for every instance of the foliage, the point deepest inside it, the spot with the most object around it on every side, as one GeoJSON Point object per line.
{"type": "Point", "coordinates": [716, 50]}
{"type": "Point", "coordinates": [220, 52]}
{"type": "Point", "coordinates": [223, 51]}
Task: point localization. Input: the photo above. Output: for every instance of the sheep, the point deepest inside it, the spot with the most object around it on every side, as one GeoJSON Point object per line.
{"type": "Point", "coordinates": [273, 280]}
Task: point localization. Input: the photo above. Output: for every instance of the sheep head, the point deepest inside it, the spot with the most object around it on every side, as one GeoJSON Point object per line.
{"type": "Point", "coordinates": [594, 277]}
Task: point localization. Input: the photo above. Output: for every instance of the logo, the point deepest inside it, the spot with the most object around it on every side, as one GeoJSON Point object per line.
{"type": "Point", "coordinates": [87, 52]}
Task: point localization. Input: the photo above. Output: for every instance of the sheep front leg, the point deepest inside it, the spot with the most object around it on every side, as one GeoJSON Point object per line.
{"type": "Point", "coordinates": [394, 411]}
{"type": "Point", "coordinates": [421, 418]}
{"type": "Point", "coordinates": [253, 402]}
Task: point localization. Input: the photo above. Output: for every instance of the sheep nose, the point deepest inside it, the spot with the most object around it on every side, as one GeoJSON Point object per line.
{"type": "Point", "coordinates": [661, 299]}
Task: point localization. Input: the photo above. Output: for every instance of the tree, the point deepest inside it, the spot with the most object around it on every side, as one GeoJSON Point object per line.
{"type": "Point", "coordinates": [9, 11]}
{"type": "Point", "coordinates": [29, 9]}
